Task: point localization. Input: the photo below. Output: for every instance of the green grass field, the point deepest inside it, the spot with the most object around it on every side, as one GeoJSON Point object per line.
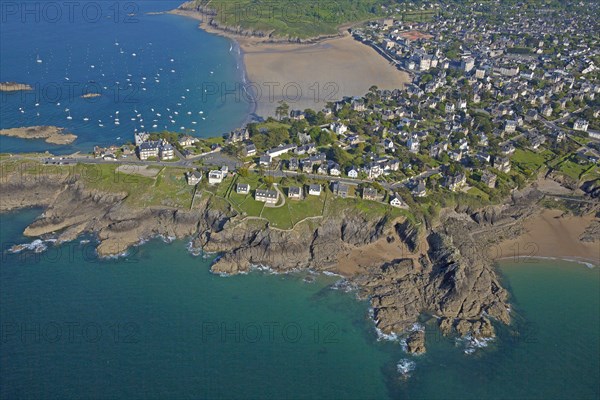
{"type": "Point", "coordinates": [529, 161]}
{"type": "Point", "coordinates": [479, 193]}
{"type": "Point", "coordinates": [572, 169]}
{"type": "Point", "coordinates": [168, 189]}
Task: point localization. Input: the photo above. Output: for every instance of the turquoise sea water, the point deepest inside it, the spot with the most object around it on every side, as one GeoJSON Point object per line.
{"type": "Point", "coordinates": [142, 65]}
{"type": "Point", "coordinates": [157, 324]}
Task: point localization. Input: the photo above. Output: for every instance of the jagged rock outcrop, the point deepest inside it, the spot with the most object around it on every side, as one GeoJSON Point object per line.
{"type": "Point", "coordinates": [409, 234]}
{"type": "Point", "coordinates": [415, 343]}
{"type": "Point", "coordinates": [451, 278]}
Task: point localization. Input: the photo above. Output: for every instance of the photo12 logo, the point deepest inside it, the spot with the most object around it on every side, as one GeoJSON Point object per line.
{"type": "Point", "coordinates": [70, 332]}
{"type": "Point", "coordinates": [68, 92]}
{"type": "Point", "coordinates": [269, 332]}
{"type": "Point", "coordinates": [270, 92]}
{"type": "Point", "coordinates": [234, 13]}
{"type": "Point", "coordinates": [53, 12]}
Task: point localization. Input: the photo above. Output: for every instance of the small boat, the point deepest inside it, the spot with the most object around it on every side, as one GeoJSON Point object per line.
{"type": "Point", "coordinates": [38, 59]}
{"type": "Point", "coordinates": [86, 119]}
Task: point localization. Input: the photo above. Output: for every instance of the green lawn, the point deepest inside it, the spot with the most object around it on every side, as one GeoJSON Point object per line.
{"type": "Point", "coordinates": [479, 193]}
{"type": "Point", "coordinates": [169, 188]}
{"type": "Point", "coordinates": [529, 161]}
{"type": "Point", "coordinates": [246, 203]}
{"type": "Point", "coordinates": [572, 169]}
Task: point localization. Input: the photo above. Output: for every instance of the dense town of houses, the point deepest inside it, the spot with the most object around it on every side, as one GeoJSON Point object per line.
{"type": "Point", "coordinates": [481, 90]}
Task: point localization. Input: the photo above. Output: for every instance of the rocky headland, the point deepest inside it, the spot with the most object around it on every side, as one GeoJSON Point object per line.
{"type": "Point", "coordinates": [51, 134]}
{"type": "Point", "coordinates": [446, 272]}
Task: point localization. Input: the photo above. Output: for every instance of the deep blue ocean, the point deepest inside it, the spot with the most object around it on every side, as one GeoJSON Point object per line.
{"type": "Point", "coordinates": [153, 72]}
{"type": "Point", "coordinates": [156, 323]}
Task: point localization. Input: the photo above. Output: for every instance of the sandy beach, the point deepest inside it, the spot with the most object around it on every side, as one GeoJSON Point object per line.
{"type": "Point", "coordinates": [551, 235]}
{"type": "Point", "coordinates": [309, 75]}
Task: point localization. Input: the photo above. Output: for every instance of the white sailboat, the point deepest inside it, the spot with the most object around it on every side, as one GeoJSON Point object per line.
{"type": "Point", "coordinates": [38, 59]}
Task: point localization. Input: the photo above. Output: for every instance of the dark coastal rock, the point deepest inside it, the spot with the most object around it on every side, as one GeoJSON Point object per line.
{"type": "Point", "coordinates": [409, 234]}
{"type": "Point", "coordinates": [450, 278]}
{"type": "Point", "coordinates": [415, 343]}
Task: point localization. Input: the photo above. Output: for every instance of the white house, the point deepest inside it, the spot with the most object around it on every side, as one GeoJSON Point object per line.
{"type": "Point", "coordinates": [266, 196]}
{"type": "Point", "coordinates": [215, 177]}
{"type": "Point", "coordinates": [353, 173]}
{"type": "Point", "coordinates": [242, 188]}
{"type": "Point", "coordinates": [314, 190]}
{"type": "Point", "coordinates": [581, 125]}
{"type": "Point", "coordinates": [338, 128]}
{"type": "Point", "coordinates": [413, 144]}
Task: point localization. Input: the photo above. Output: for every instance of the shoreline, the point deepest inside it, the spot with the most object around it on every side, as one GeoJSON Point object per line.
{"type": "Point", "coordinates": [551, 235]}
{"type": "Point", "coordinates": [576, 260]}
{"type": "Point", "coordinates": [253, 106]}
{"type": "Point", "coordinates": [306, 75]}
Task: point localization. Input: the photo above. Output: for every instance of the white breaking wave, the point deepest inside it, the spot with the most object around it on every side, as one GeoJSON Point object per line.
{"type": "Point", "coordinates": [37, 246]}
{"type": "Point", "coordinates": [473, 343]}
{"type": "Point", "coordinates": [405, 367]}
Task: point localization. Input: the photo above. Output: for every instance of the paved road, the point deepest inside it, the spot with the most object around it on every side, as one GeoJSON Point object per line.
{"type": "Point", "coordinates": [220, 159]}
{"type": "Point", "coordinates": [215, 158]}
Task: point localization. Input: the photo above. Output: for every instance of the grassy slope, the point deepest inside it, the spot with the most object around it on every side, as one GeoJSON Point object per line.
{"type": "Point", "coordinates": [302, 19]}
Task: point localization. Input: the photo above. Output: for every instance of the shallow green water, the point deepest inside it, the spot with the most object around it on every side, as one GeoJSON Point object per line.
{"type": "Point", "coordinates": [157, 324]}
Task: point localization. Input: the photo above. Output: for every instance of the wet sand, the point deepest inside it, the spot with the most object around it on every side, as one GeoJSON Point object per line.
{"type": "Point", "coordinates": [551, 235]}
{"type": "Point", "coordinates": [309, 75]}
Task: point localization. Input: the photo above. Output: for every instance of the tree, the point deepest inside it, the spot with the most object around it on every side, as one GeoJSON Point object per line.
{"type": "Point", "coordinates": [243, 172]}
{"type": "Point", "coordinates": [268, 180]}
{"type": "Point", "coordinates": [324, 138]}
{"type": "Point", "coordinates": [341, 156]}
{"type": "Point", "coordinates": [283, 110]}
